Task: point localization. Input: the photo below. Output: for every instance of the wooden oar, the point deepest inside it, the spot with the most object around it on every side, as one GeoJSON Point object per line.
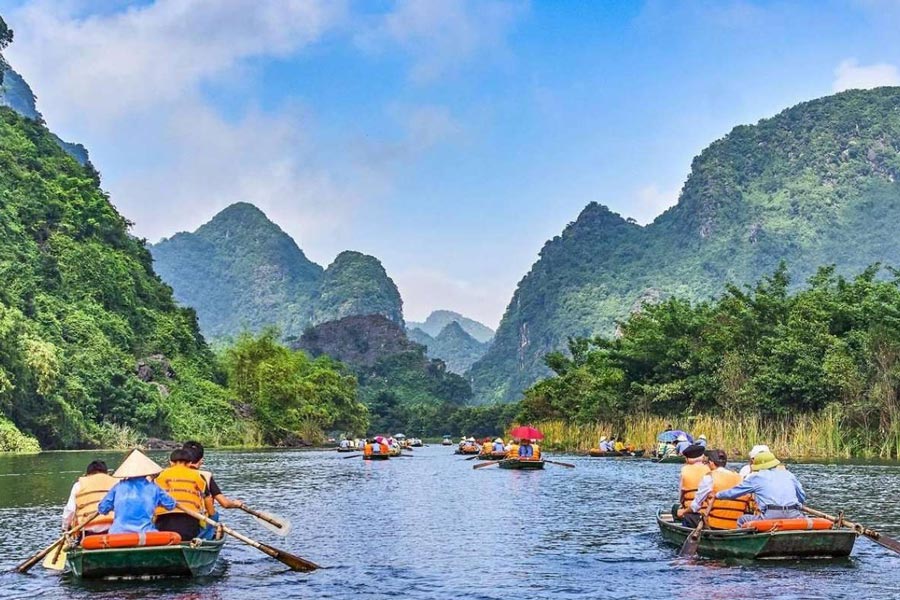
{"type": "Point", "coordinates": [562, 464]}
{"type": "Point", "coordinates": [689, 548]}
{"type": "Point", "coordinates": [489, 463]}
{"type": "Point", "coordinates": [472, 457]}
{"type": "Point", "coordinates": [274, 523]}
{"type": "Point", "coordinates": [55, 561]}
{"type": "Point", "coordinates": [878, 538]}
{"type": "Point", "coordinates": [351, 456]}
{"type": "Point", "coordinates": [294, 562]}
{"type": "Point", "coordinates": [25, 566]}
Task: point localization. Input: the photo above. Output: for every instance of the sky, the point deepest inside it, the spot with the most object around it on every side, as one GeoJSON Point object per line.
{"type": "Point", "coordinates": [449, 138]}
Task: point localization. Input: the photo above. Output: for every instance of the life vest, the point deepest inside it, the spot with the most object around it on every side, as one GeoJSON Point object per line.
{"type": "Point", "coordinates": [537, 451]}
{"type": "Point", "coordinates": [725, 513]}
{"type": "Point", "coordinates": [375, 449]}
{"type": "Point", "coordinates": [691, 475]}
{"type": "Point", "coordinates": [513, 451]}
{"type": "Point", "coordinates": [486, 448]}
{"type": "Point", "coordinates": [618, 447]}
{"type": "Point", "coordinates": [91, 490]}
{"type": "Point", "coordinates": [185, 485]}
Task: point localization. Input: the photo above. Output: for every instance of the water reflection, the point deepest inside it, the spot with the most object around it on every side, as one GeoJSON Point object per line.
{"type": "Point", "coordinates": [432, 527]}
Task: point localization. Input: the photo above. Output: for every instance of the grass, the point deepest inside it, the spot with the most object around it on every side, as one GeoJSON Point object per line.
{"type": "Point", "coordinates": [821, 435]}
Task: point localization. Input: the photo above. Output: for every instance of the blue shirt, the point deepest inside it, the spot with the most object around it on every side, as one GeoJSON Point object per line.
{"type": "Point", "coordinates": [681, 446]}
{"type": "Point", "coordinates": [701, 443]}
{"type": "Point", "coordinates": [134, 501]}
{"type": "Point", "coordinates": [498, 447]}
{"type": "Point", "coordinates": [526, 451]}
{"type": "Point", "coordinates": [776, 487]}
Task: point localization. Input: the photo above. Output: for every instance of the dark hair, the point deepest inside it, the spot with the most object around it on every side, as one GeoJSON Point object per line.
{"type": "Point", "coordinates": [195, 447]}
{"type": "Point", "coordinates": [96, 466]}
{"type": "Point", "coordinates": [181, 455]}
{"type": "Point", "coordinates": [717, 456]}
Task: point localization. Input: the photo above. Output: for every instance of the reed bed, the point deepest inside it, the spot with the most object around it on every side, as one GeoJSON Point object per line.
{"type": "Point", "coordinates": [820, 435]}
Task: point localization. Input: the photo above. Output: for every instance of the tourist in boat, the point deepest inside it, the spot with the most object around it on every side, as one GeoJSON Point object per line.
{"type": "Point", "coordinates": [778, 494]}
{"type": "Point", "coordinates": [702, 440]}
{"type": "Point", "coordinates": [376, 446]}
{"type": "Point", "coordinates": [346, 444]}
{"type": "Point", "coordinates": [215, 495]}
{"type": "Point", "coordinates": [513, 450]}
{"type": "Point", "coordinates": [746, 470]}
{"type": "Point", "coordinates": [189, 488]}
{"type": "Point", "coordinates": [498, 446]}
{"type": "Point", "coordinates": [536, 449]}
{"type": "Point", "coordinates": [486, 446]}
{"type": "Point", "coordinates": [135, 498]}
{"type": "Point", "coordinates": [694, 470]}
{"type": "Point", "coordinates": [618, 445]}
{"type": "Point", "coordinates": [526, 450]}
{"type": "Point", "coordinates": [85, 497]}
{"type": "Point", "coordinates": [605, 445]}
{"type": "Point", "coordinates": [724, 513]}
{"type": "Point", "coordinates": [682, 444]}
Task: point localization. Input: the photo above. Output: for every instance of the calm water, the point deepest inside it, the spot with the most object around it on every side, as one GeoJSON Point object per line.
{"type": "Point", "coordinates": [432, 527]}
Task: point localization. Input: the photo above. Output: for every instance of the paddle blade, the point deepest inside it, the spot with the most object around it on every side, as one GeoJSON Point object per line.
{"type": "Point", "coordinates": [294, 562]}
{"type": "Point", "coordinates": [351, 456]}
{"type": "Point", "coordinates": [487, 464]}
{"type": "Point", "coordinates": [55, 561]}
{"type": "Point", "coordinates": [274, 523]}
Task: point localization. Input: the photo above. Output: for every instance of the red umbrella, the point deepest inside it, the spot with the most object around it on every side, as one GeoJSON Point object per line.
{"type": "Point", "coordinates": [526, 432]}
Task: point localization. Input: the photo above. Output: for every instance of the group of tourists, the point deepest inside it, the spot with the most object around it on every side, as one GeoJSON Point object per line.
{"type": "Point", "coordinates": [614, 444]}
{"type": "Point", "coordinates": [516, 448]}
{"type": "Point", "coordinates": [673, 442]}
{"type": "Point", "coordinates": [141, 496]}
{"type": "Point", "coordinates": [764, 489]}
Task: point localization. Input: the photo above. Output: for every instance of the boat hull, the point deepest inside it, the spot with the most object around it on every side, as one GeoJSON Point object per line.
{"type": "Point", "coordinates": [376, 456]}
{"type": "Point", "coordinates": [597, 453]}
{"type": "Point", "coordinates": [492, 456]}
{"type": "Point", "coordinates": [181, 560]}
{"type": "Point", "coordinates": [468, 451]}
{"type": "Point", "coordinates": [673, 459]}
{"type": "Point", "coordinates": [524, 465]}
{"type": "Point", "coordinates": [746, 544]}
{"type": "Point", "coordinates": [348, 450]}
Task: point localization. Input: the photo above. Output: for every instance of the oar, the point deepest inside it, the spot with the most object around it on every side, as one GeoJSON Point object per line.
{"type": "Point", "coordinates": [472, 457]}
{"type": "Point", "coordinates": [562, 464]}
{"type": "Point", "coordinates": [689, 548]}
{"type": "Point", "coordinates": [294, 562]}
{"type": "Point", "coordinates": [56, 561]}
{"type": "Point", "coordinates": [274, 523]}
{"type": "Point", "coordinates": [351, 456]}
{"type": "Point", "coordinates": [489, 463]}
{"type": "Point", "coordinates": [878, 538]}
{"type": "Point", "coordinates": [25, 566]}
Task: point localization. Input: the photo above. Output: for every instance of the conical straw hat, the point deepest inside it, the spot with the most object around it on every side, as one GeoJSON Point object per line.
{"type": "Point", "coordinates": [137, 464]}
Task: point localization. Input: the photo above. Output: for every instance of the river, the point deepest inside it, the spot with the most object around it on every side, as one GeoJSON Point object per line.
{"type": "Point", "coordinates": [430, 526]}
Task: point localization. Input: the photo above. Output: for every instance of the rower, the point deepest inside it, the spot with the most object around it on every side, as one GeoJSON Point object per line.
{"type": "Point", "coordinates": [135, 498]}
{"type": "Point", "coordinates": [682, 443]}
{"type": "Point", "coordinates": [215, 492]}
{"type": "Point", "coordinates": [498, 445]}
{"type": "Point", "coordinates": [85, 496]}
{"type": "Point", "coordinates": [724, 513]}
{"type": "Point", "coordinates": [692, 473]}
{"type": "Point", "coordinates": [189, 488]}
{"type": "Point", "coordinates": [777, 492]}
{"type": "Point", "coordinates": [526, 451]}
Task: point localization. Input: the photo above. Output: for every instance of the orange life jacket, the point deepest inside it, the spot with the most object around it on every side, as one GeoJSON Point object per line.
{"type": "Point", "coordinates": [185, 485]}
{"type": "Point", "coordinates": [725, 513]}
{"type": "Point", "coordinates": [537, 452]}
{"type": "Point", "coordinates": [513, 451]}
{"type": "Point", "coordinates": [487, 447]}
{"type": "Point", "coordinates": [368, 450]}
{"type": "Point", "coordinates": [691, 474]}
{"type": "Point", "coordinates": [91, 490]}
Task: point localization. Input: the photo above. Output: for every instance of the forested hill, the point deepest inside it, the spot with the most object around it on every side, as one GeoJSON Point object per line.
{"type": "Point", "coordinates": [439, 319]}
{"type": "Point", "coordinates": [814, 185]}
{"type": "Point", "coordinates": [241, 271]}
{"type": "Point", "coordinates": [453, 345]}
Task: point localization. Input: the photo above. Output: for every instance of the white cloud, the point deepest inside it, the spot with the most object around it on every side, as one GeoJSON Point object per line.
{"type": "Point", "coordinates": [649, 201]}
{"type": "Point", "coordinates": [440, 35]}
{"type": "Point", "coordinates": [851, 75]}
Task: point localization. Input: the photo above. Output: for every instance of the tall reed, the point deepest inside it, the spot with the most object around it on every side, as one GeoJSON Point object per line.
{"type": "Point", "coordinates": [822, 434]}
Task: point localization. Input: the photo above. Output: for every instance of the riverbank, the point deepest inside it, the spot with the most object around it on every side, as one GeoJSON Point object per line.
{"type": "Point", "coordinates": [821, 435]}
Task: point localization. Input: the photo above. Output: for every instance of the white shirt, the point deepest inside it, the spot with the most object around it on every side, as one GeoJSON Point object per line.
{"type": "Point", "coordinates": [68, 518]}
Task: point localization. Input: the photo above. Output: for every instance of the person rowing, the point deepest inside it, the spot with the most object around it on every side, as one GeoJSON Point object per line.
{"type": "Point", "coordinates": [189, 488]}
{"type": "Point", "coordinates": [777, 492]}
{"type": "Point", "coordinates": [85, 497]}
{"type": "Point", "coordinates": [724, 514]}
{"type": "Point", "coordinates": [135, 499]}
{"type": "Point", "coordinates": [215, 495]}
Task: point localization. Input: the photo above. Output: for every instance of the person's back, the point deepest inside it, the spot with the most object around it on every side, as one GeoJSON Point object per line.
{"type": "Point", "coordinates": [724, 514]}
{"type": "Point", "coordinates": [135, 498]}
{"type": "Point", "coordinates": [85, 497]}
{"type": "Point", "coordinates": [486, 447]}
{"type": "Point", "coordinates": [526, 451]}
{"type": "Point", "coordinates": [618, 446]}
{"type": "Point", "coordinates": [498, 447]}
{"type": "Point", "coordinates": [188, 487]}
{"type": "Point", "coordinates": [691, 475]}
{"type": "Point", "coordinates": [513, 451]}
{"type": "Point", "coordinates": [680, 447]}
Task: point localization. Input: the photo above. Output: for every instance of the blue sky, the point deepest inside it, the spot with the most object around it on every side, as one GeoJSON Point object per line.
{"type": "Point", "coordinates": [449, 138]}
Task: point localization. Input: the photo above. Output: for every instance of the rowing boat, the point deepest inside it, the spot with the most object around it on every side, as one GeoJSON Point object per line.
{"type": "Point", "coordinates": [180, 560]}
{"type": "Point", "coordinates": [748, 544]}
{"type": "Point", "coordinates": [468, 450]}
{"type": "Point", "coordinates": [492, 456]}
{"type": "Point", "coordinates": [520, 463]}
{"type": "Point", "coordinates": [381, 456]}
{"type": "Point", "coordinates": [670, 459]}
{"type": "Point", "coordinates": [597, 453]}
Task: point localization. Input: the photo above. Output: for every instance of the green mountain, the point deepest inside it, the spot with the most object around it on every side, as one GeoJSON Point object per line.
{"type": "Point", "coordinates": [439, 319]}
{"type": "Point", "coordinates": [453, 345]}
{"type": "Point", "coordinates": [817, 184]}
{"type": "Point", "coordinates": [241, 271]}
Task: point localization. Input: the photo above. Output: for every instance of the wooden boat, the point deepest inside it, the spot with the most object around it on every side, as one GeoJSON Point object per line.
{"type": "Point", "coordinates": [521, 463]}
{"type": "Point", "coordinates": [179, 560]}
{"type": "Point", "coordinates": [468, 450]}
{"type": "Point", "coordinates": [347, 449]}
{"type": "Point", "coordinates": [670, 459]}
{"type": "Point", "coordinates": [597, 453]}
{"type": "Point", "coordinates": [748, 544]}
{"type": "Point", "coordinates": [492, 456]}
{"type": "Point", "coordinates": [376, 456]}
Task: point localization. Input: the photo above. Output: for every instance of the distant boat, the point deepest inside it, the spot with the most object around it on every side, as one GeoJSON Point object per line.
{"type": "Point", "coordinates": [522, 464]}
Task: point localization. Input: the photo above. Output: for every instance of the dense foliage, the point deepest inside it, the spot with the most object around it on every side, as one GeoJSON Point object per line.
{"type": "Point", "coordinates": [753, 351]}
{"type": "Point", "coordinates": [816, 184]}
{"type": "Point", "coordinates": [241, 272]}
{"type": "Point", "coordinates": [453, 345]}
